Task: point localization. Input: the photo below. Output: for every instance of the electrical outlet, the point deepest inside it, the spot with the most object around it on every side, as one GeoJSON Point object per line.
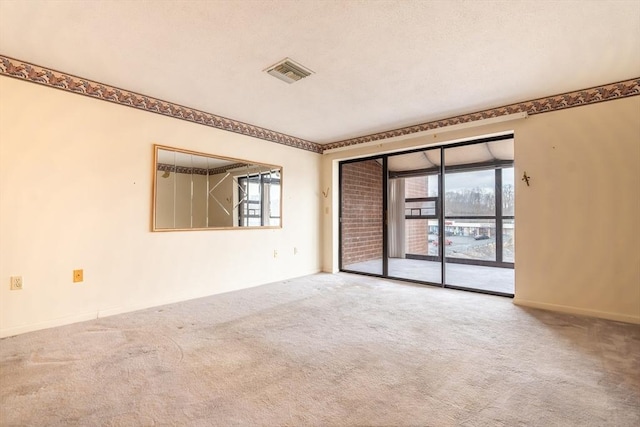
{"type": "Point", "coordinates": [16, 283]}
{"type": "Point", "coordinates": [295, 251]}
{"type": "Point", "coordinates": [275, 253]}
{"type": "Point", "coordinates": [77, 276]}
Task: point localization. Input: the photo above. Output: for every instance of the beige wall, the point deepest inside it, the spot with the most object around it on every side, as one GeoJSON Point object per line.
{"type": "Point", "coordinates": [223, 192]}
{"type": "Point", "coordinates": [75, 192]}
{"type": "Point", "coordinates": [187, 211]}
{"type": "Point", "coordinates": [183, 200]}
{"type": "Point", "coordinates": [577, 225]}
{"type": "Point", "coordinates": [192, 211]}
{"type": "Point", "coordinates": [199, 201]}
{"type": "Point", "coordinates": [165, 203]}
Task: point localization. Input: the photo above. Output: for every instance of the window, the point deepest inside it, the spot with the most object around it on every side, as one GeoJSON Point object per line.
{"type": "Point", "coordinates": [479, 215]}
{"type": "Point", "coordinates": [259, 199]}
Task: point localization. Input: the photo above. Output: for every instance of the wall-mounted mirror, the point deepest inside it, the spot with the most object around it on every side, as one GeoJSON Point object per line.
{"type": "Point", "coordinates": [197, 191]}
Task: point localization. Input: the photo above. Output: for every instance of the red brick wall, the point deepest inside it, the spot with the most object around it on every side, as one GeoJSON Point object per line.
{"type": "Point", "coordinates": [361, 211]}
{"type": "Point", "coordinates": [415, 187]}
{"type": "Point", "coordinates": [416, 237]}
{"type": "Point", "coordinates": [416, 229]}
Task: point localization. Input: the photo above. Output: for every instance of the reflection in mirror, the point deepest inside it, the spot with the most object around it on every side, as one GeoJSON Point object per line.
{"type": "Point", "coordinates": [200, 191]}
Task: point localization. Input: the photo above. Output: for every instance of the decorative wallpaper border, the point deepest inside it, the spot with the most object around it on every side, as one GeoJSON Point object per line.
{"type": "Point", "coordinates": [25, 71]}
{"type": "Point", "coordinates": [164, 167]}
{"type": "Point", "coordinates": [541, 105]}
{"type": "Point", "coordinates": [223, 169]}
{"type": "Point", "coordinates": [33, 73]}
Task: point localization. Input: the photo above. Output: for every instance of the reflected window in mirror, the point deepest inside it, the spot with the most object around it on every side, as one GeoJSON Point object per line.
{"type": "Point", "coordinates": [260, 205]}
{"type": "Point", "coordinates": [196, 191]}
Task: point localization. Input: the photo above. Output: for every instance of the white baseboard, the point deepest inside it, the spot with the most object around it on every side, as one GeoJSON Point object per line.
{"type": "Point", "coordinates": [577, 310]}
{"type": "Point", "coordinates": [52, 323]}
{"type": "Point", "coordinates": [112, 311]}
{"type": "Point", "coordinates": [152, 304]}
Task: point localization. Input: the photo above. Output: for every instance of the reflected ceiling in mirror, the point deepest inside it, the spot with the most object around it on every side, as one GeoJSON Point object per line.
{"type": "Point", "coordinates": [198, 191]}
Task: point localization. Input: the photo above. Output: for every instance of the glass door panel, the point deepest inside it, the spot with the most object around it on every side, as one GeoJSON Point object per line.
{"type": "Point", "coordinates": [413, 206]}
{"type": "Point", "coordinates": [508, 240]}
{"type": "Point", "coordinates": [361, 216]}
{"type": "Point", "coordinates": [478, 237]}
{"type": "Point", "coordinates": [508, 192]}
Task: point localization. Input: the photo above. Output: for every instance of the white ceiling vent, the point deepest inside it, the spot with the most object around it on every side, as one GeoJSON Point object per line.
{"type": "Point", "coordinates": [288, 71]}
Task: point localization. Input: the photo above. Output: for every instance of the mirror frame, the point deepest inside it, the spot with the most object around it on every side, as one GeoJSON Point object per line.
{"type": "Point", "coordinates": [158, 147]}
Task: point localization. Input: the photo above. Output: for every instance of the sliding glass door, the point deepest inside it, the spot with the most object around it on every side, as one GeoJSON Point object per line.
{"type": "Point", "coordinates": [475, 185]}
{"type": "Point", "coordinates": [441, 216]}
{"type": "Point", "coordinates": [413, 224]}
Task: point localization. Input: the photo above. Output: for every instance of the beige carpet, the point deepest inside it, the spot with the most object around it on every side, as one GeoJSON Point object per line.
{"type": "Point", "coordinates": [330, 350]}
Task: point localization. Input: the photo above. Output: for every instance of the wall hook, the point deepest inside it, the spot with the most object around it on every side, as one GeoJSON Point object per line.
{"type": "Point", "coordinates": [526, 178]}
{"type": "Point", "coordinates": [326, 194]}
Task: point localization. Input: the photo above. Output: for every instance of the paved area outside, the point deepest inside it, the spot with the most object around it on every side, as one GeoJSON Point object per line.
{"type": "Point", "coordinates": [467, 247]}
{"type": "Point", "coordinates": [493, 279]}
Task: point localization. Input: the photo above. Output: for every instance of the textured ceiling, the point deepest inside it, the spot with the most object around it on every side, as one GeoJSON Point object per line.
{"type": "Point", "coordinates": [378, 65]}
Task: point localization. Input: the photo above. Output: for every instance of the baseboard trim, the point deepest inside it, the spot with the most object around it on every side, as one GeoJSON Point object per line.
{"type": "Point", "coordinates": [577, 310]}
{"type": "Point", "coordinates": [148, 305]}
{"type": "Point", "coordinates": [52, 323]}
{"type": "Point", "coordinates": [112, 311]}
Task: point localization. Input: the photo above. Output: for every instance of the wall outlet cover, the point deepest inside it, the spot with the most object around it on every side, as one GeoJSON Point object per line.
{"type": "Point", "coordinates": [16, 283]}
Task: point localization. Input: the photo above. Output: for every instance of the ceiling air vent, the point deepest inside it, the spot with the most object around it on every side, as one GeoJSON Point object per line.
{"type": "Point", "coordinates": [289, 71]}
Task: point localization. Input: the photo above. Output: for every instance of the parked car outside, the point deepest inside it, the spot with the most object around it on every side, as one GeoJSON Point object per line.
{"type": "Point", "coordinates": [446, 242]}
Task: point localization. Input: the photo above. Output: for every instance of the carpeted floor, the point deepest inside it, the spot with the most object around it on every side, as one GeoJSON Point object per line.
{"type": "Point", "coordinates": [330, 350]}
